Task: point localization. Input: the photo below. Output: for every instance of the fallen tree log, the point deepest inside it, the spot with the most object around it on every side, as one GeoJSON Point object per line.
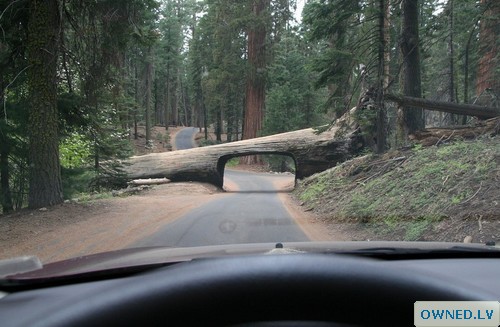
{"type": "Point", "coordinates": [436, 135]}
{"type": "Point", "coordinates": [311, 151]}
{"type": "Point", "coordinates": [449, 107]}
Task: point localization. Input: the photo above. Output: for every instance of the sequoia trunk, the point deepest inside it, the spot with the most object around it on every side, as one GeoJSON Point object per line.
{"type": "Point", "coordinates": [255, 88]}
{"type": "Point", "coordinates": [488, 77]}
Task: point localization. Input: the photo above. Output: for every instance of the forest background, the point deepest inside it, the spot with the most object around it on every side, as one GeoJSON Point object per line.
{"type": "Point", "coordinates": [79, 77]}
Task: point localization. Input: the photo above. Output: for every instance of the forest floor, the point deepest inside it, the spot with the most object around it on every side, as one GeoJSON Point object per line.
{"type": "Point", "coordinates": [445, 192]}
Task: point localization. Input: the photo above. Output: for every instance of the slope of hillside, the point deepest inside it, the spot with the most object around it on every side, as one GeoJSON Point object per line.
{"type": "Point", "coordinates": [449, 192]}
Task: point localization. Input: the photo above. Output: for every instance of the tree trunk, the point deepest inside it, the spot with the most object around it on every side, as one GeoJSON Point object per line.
{"type": "Point", "coordinates": [43, 45]}
{"type": "Point", "coordinates": [436, 136]}
{"type": "Point", "coordinates": [383, 63]}
{"type": "Point", "coordinates": [158, 103]}
{"type": "Point", "coordinates": [453, 96]}
{"type": "Point", "coordinates": [451, 54]}
{"type": "Point", "coordinates": [218, 125]}
{"type": "Point", "coordinates": [6, 197]}
{"type": "Point", "coordinates": [488, 77]}
{"type": "Point", "coordinates": [466, 64]}
{"type": "Point", "coordinates": [137, 101]}
{"type": "Point", "coordinates": [174, 100]}
{"type": "Point", "coordinates": [149, 80]}
{"type": "Point", "coordinates": [167, 100]}
{"type": "Point", "coordinates": [256, 80]}
{"type": "Point", "coordinates": [387, 42]}
{"type": "Point", "coordinates": [410, 119]}
{"type": "Point", "coordinates": [5, 194]}
{"type": "Point", "coordinates": [449, 107]}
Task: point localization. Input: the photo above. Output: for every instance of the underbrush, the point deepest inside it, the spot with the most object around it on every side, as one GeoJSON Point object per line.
{"type": "Point", "coordinates": [441, 192]}
{"type": "Point", "coordinates": [86, 184]}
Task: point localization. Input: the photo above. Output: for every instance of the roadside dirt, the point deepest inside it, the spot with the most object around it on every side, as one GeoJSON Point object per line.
{"type": "Point", "coordinates": [76, 229]}
{"type": "Point", "coordinates": [80, 228]}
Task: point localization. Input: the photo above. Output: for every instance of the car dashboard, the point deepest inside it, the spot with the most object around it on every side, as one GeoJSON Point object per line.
{"type": "Point", "coordinates": [299, 289]}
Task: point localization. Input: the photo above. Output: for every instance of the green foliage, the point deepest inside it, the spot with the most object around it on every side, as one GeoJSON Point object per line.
{"type": "Point", "coordinates": [233, 162]}
{"type": "Point", "coordinates": [220, 71]}
{"type": "Point", "coordinates": [367, 120]}
{"type": "Point", "coordinates": [415, 230]}
{"type": "Point", "coordinates": [198, 50]}
{"type": "Point", "coordinates": [292, 102]}
{"type": "Point", "coordinates": [340, 31]}
{"type": "Point", "coordinates": [76, 181]}
{"type": "Point", "coordinates": [315, 189]}
{"type": "Point", "coordinates": [279, 163]}
{"type": "Point", "coordinates": [436, 51]}
{"type": "Point", "coordinates": [75, 151]}
{"type": "Point", "coordinates": [312, 192]}
{"type": "Point", "coordinates": [208, 142]}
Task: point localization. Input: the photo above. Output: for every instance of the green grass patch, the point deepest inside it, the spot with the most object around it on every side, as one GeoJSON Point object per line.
{"type": "Point", "coordinates": [406, 192]}
{"type": "Point", "coordinates": [204, 142]}
{"type": "Point", "coordinates": [233, 162]}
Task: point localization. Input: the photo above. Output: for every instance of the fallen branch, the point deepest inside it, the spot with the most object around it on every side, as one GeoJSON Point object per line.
{"type": "Point", "coordinates": [482, 112]}
{"type": "Point", "coordinates": [149, 181]}
{"type": "Point", "coordinates": [479, 189]}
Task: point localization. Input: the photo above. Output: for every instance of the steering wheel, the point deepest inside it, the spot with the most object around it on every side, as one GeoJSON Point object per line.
{"type": "Point", "coordinates": [242, 290]}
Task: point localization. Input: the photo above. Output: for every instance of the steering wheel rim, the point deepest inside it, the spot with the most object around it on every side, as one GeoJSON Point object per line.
{"type": "Point", "coordinates": [233, 290]}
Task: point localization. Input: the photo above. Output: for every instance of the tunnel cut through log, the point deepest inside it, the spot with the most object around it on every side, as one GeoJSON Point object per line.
{"type": "Point", "coordinates": [311, 151]}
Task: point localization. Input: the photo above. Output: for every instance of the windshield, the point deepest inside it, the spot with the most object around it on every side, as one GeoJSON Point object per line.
{"type": "Point", "coordinates": [187, 123]}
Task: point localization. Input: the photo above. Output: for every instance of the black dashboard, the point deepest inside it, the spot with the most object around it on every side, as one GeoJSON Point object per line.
{"type": "Point", "coordinates": [263, 290]}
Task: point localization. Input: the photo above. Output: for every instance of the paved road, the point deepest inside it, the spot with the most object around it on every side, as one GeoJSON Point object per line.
{"type": "Point", "coordinates": [185, 138]}
{"type": "Point", "coordinates": [254, 214]}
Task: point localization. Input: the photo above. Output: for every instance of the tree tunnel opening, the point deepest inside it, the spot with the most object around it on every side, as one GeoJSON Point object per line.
{"type": "Point", "coordinates": [274, 172]}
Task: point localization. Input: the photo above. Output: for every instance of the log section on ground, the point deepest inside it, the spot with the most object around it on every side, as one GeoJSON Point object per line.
{"type": "Point", "coordinates": [436, 136]}
{"type": "Point", "coordinates": [312, 152]}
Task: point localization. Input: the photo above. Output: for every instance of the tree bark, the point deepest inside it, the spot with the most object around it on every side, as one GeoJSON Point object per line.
{"type": "Point", "coordinates": [311, 151]}
{"type": "Point", "coordinates": [488, 77]}
{"type": "Point", "coordinates": [43, 44]}
{"type": "Point", "coordinates": [436, 136]}
{"type": "Point", "coordinates": [466, 63]}
{"type": "Point", "coordinates": [383, 64]}
{"type": "Point", "coordinates": [5, 194]}
{"type": "Point", "coordinates": [451, 54]}
{"type": "Point", "coordinates": [149, 81]}
{"type": "Point", "coordinates": [256, 80]}
{"type": "Point", "coordinates": [410, 119]}
{"type": "Point", "coordinates": [6, 197]}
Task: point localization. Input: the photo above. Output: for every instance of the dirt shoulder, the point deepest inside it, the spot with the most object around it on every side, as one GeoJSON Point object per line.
{"type": "Point", "coordinates": [75, 229]}
{"type": "Point", "coordinates": [80, 228]}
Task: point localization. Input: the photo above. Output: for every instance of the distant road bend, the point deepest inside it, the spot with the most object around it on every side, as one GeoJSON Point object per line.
{"type": "Point", "coordinates": [254, 214]}
{"type": "Point", "coordinates": [184, 139]}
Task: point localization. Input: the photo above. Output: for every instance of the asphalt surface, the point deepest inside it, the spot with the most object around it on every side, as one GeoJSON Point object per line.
{"type": "Point", "coordinates": [184, 139]}
{"type": "Point", "coordinates": [253, 214]}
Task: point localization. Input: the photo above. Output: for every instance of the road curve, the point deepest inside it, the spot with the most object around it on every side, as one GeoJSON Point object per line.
{"type": "Point", "coordinates": [184, 139]}
{"type": "Point", "coordinates": [254, 214]}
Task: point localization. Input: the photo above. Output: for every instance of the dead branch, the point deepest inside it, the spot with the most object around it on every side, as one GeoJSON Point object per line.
{"type": "Point", "coordinates": [482, 112]}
